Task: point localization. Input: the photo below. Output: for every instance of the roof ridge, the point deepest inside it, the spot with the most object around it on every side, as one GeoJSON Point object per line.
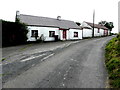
{"type": "Point", "coordinates": [45, 17]}
{"type": "Point", "coordinates": [46, 21]}
{"type": "Point", "coordinates": [96, 25]}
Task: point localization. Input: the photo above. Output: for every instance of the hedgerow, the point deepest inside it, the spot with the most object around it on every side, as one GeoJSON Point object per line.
{"type": "Point", "coordinates": [113, 61]}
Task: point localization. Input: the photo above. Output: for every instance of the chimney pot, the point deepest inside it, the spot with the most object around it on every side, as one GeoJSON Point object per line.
{"type": "Point", "coordinates": [58, 17]}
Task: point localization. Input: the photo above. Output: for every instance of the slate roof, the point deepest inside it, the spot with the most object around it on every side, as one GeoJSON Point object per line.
{"type": "Point", "coordinates": [48, 22]}
{"type": "Point", "coordinates": [97, 25]}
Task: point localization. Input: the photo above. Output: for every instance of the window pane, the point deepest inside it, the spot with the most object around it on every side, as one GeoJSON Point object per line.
{"type": "Point", "coordinates": [34, 33]}
{"type": "Point", "coordinates": [51, 33]}
{"type": "Point", "coordinates": [75, 34]}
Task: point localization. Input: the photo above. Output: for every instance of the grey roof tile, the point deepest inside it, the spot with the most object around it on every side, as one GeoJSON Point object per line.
{"type": "Point", "coordinates": [49, 22]}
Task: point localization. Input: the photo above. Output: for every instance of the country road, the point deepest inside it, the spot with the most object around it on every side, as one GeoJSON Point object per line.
{"type": "Point", "coordinates": [79, 65]}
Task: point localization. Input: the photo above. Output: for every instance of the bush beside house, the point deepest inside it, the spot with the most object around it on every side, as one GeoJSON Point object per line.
{"type": "Point", "coordinates": [13, 33]}
{"type": "Point", "coordinates": [113, 61]}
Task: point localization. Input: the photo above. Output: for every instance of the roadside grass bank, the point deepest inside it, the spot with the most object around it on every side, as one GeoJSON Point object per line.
{"type": "Point", "coordinates": [113, 61]}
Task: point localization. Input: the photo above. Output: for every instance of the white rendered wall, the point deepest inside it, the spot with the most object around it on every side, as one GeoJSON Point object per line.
{"type": "Point", "coordinates": [71, 34]}
{"type": "Point", "coordinates": [61, 34]}
{"type": "Point", "coordinates": [96, 32]}
{"type": "Point", "coordinates": [44, 31]}
{"type": "Point", "coordinates": [101, 32]}
{"type": "Point", "coordinates": [87, 32]}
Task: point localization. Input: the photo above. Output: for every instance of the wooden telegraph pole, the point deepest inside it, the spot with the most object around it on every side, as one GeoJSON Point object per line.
{"type": "Point", "coordinates": [93, 22]}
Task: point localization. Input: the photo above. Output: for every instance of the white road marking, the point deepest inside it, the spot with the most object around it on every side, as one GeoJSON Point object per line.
{"type": "Point", "coordinates": [63, 84]}
{"type": "Point", "coordinates": [32, 57]}
{"type": "Point", "coordinates": [40, 55]}
{"type": "Point", "coordinates": [67, 45]}
{"type": "Point", "coordinates": [47, 57]}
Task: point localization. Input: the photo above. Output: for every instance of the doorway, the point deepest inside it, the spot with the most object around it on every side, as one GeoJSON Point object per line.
{"type": "Point", "coordinates": [64, 34]}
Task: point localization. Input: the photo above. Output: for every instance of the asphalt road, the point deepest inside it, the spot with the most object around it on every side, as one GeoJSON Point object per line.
{"type": "Point", "coordinates": [79, 65]}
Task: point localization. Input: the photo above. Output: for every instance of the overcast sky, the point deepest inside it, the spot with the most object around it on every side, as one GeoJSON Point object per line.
{"type": "Point", "coordinates": [75, 10]}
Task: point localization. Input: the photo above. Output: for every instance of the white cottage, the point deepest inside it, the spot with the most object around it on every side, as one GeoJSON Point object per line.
{"type": "Point", "coordinates": [50, 29]}
{"type": "Point", "coordinates": [87, 30]}
{"type": "Point", "coordinates": [99, 30]}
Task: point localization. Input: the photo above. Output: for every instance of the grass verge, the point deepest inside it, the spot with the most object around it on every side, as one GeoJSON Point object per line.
{"type": "Point", "coordinates": [113, 61]}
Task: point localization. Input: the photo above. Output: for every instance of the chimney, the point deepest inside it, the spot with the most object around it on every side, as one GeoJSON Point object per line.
{"type": "Point", "coordinates": [17, 15]}
{"type": "Point", "coordinates": [58, 17]}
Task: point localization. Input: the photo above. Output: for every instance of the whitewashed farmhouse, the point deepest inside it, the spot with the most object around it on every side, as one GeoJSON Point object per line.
{"type": "Point", "coordinates": [49, 29]}
{"type": "Point", "coordinates": [99, 30]}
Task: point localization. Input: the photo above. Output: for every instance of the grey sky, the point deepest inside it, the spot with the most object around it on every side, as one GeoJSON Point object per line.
{"type": "Point", "coordinates": [75, 10]}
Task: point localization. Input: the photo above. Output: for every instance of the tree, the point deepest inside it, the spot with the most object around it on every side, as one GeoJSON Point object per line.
{"type": "Point", "coordinates": [78, 23]}
{"type": "Point", "coordinates": [109, 25]}
{"type": "Point", "coordinates": [13, 33]}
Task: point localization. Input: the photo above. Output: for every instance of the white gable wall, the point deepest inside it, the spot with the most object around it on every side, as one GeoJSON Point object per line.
{"type": "Point", "coordinates": [87, 32]}
{"type": "Point", "coordinates": [44, 31]}
{"type": "Point", "coordinates": [84, 24]}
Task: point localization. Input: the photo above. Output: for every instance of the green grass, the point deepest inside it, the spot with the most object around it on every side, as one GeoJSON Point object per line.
{"type": "Point", "coordinates": [113, 61]}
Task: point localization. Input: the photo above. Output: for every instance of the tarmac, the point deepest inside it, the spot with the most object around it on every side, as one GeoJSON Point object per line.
{"type": "Point", "coordinates": [13, 53]}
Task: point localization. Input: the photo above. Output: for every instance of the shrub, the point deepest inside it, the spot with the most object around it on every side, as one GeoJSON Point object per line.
{"type": "Point", "coordinates": [13, 33]}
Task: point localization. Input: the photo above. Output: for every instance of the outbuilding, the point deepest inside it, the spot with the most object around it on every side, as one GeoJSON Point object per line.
{"type": "Point", "coordinates": [99, 30]}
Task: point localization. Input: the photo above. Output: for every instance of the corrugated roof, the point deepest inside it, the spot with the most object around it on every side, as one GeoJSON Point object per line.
{"type": "Point", "coordinates": [96, 25]}
{"type": "Point", "coordinates": [49, 22]}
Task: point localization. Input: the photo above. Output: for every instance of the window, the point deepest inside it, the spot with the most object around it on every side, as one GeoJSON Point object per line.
{"type": "Point", "coordinates": [34, 33]}
{"type": "Point", "coordinates": [75, 34]}
{"type": "Point", "coordinates": [51, 33]}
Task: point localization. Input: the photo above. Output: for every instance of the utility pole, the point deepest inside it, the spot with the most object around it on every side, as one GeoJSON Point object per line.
{"type": "Point", "coordinates": [93, 22]}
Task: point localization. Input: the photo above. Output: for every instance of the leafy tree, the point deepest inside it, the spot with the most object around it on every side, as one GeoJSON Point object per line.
{"type": "Point", "coordinates": [109, 25]}
{"type": "Point", "coordinates": [78, 23]}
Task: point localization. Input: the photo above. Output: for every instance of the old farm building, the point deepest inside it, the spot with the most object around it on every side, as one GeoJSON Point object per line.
{"type": "Point", "coordinates": [50, 29]}
{"type": "Point", "coordinates": [99, 30]}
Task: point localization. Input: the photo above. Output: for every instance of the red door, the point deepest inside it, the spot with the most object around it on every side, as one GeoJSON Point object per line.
{"type": "Point", "coordinates": [64, 34]}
